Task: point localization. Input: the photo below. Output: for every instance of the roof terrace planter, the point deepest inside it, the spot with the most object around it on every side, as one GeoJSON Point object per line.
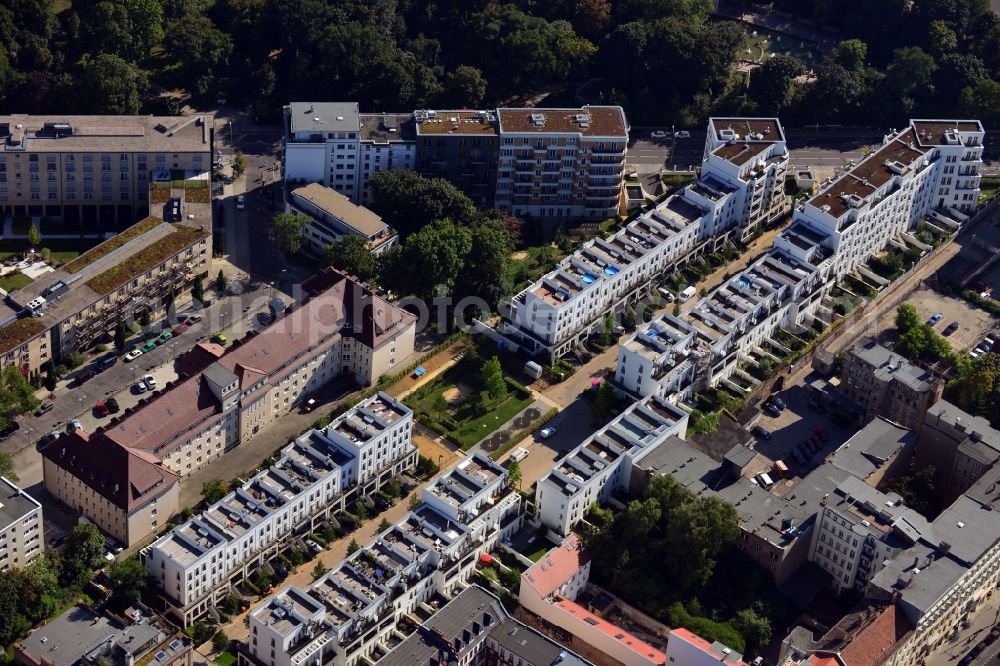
{"type": "Point", "coordinates": [109, 246]}
{"type": "Point", "coordinates": [18, 332]}
{"type": "Point", "coordinates": [146, 259]}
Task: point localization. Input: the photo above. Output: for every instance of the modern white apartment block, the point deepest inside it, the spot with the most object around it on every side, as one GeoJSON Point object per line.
{"type": "Point", "coordinates": [353, 611]}
{"type": "Point", "coordinates": [929, 170]}
{"type": "Point", "coordinates": [561, 163]}
{"type": "Point", "coordinates": [22, 533]}
{"type": "Point", "coordinates": [749, 156]}
{"type": "Point", "coordinates": [603, 463]}
{"type": "Point", "coordinates": [197, 563]}
{"type": "Point", "coordinates": [332, 216]}
{"type": "Point", "coordinates": [331, 143]}
{"type": "Point", "coordinates": [688, 649]}
{"type": "Point", "coordinates": [565, 306]}
{"type": "Point", "coordinates": [95, 170]}
{"type": "Point", "coordinates": [672, 354]}
{"type": "Point", "coordinates": [858, 529]}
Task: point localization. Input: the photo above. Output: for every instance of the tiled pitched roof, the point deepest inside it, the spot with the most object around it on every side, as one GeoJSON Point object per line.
{"type": "Point", "coordinates": [876, 642]}
{"type": "Point", "coordinates": [124, 477]}
{"type": "Point", "coordinates": [199, 357]}
{"type": "Point", "coordinates": [557, 566]}
{"type": "Point", "coordinates": [368, 317]}
{"type": "Point", "coordinates": [646, 651]}
{"type": "Point", "coordinates": [170, 412]}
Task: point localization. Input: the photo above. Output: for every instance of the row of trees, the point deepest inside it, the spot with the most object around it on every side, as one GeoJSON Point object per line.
{"type": "Point", "coordinates": [664, 60]}
{"type": "Point", "coordinates": [37, 591]}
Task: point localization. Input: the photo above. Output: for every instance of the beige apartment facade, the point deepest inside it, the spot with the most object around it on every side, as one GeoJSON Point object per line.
{"type": "Point", "coordinates": [22, 534]}
{"type": "Point", "coordinates": [94, 171]}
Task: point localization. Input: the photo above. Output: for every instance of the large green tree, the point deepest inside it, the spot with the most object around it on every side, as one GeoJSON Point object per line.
{"type": "Point", "coordinates": [429, 260]}
{"type": "Point", "coordinates": [289, 229]}
{"type": "Point", "coordinates": [82, 553]}
{"type": "Point", "coordinates": [107, 84]}
{"type": "Point", "coordinates": [129, 579]}
{"type": "Point", "coordinates": [127, 28]}
{"type": "Point", "coordinates": [201, 48]}
{"type": "Point", "coordinates": [351, 254]}
{"type": "Point", "coordinates": [407, 201]}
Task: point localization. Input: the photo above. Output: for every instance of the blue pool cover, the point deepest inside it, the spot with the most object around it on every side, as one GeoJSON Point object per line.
{"type": "Point", "coordinates": [610, 270]}
{"type": "Point", "coordinates": [588, 278]}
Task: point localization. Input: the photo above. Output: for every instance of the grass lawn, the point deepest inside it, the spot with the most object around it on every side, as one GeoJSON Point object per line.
{"type": "Point", "coordinates": [675, 181]}
{"type": "Point", "coordinates": [226, 658]}
{"type": "Point", "coordinates": [14, 280]}
{"type": "Point", "coordinates": [532, 263]}
{"type": "Point", "coordinates": [461, 419]}
{"type": "Point", "coordinates": [988, 189]}
{"type": "Point", "coordinates": [535, 550]}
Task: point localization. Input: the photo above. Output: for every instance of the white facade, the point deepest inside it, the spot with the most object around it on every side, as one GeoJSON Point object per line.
{"type": "Point", "coordinates": [434, 549]}
{"type": "Point", "coordinates": [322, 145]}
{"type": "Point", "coordinates": [931, 167]}
{"type": "Point", "coordinates": [688, 649]}
{"type": "Point", "coordinates": [603, 463]}
{"type": "Point", "coordinates": [21, 529]}
{"type": "Point", "coordinates": [749, 155]}
{"type": "Point", "coordinates": [201, 557]}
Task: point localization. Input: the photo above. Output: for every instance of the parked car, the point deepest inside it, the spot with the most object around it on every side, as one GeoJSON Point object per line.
{"type": "Point", "coordinates": [10, 430]}
{"type": "Point", "coordinates": [132, 355]}
{"type": "Point", "coordinates": [74, 425]}
{"type": "Point", "coordinates": [241, 202]}
{"type": "Point", "coordinates": [57, 539]}
{"type": "Point", "coordinates": [84, 376]}
{"type": "Point", "coordinates": [314, 547]}
{"type": "Point", "coordinates": [149, 346]}
{"type": "Point", "coordinates": [658, 134]}
{"type": "Point", "coordinates": [192, 318]}
{"type": "Point", "coordinates": [150, 381]}
{"type": "Point", "coordinates": [547, 432]}
{"type": "Point", "coordinates": [762, 432]}
{"type": "Point", "coordinates": [107, 361]}
{"type": "Point", "coordinates": [162, 340]}
{"type": "Point", "coordinates": [140, 387]}
{"type": "Point", "coordinates": [179, 328]}
{"type": "Point", "coordinates": [682, 134]}
{"type": "Point", "coordinates": [101, 409]}
{"type": "Point", "coordinates": [798, 456]}
{"type": "Point", "coordinates": [816, 405]}
{"type": "Point", "coordinates": [778, 402]}
{"type": "Point", "coordinates": [113, 405]}
{"type": "Point", "coordinates": [951, 328]}
{"type": "Point", "coordinates": [935, 318]}
{"type": "Point", "coordinates": [771, 410]}
{"type": "Point", "coordinates": [44, 407]}
{"type": "Point", "coordinates": [51, 437]}
{"type": "Point", "coordinates": [218, 339]}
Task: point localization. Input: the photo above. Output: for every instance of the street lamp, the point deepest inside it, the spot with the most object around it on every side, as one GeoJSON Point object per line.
{"type": "Point", "coordinates": [232, 144]}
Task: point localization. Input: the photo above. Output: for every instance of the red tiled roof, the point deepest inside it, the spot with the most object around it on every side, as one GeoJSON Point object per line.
{"type": "Point", "coordinates": [557, 566]}
{"type": "Point", "coordinates": [876, 642]}
{"type": "Point", "coordinates": [169, 413]}
{"type": "Point", "coordinates": [248, 376]}
{"type": "Point", "coordinates": [605, 627]}
{"type": "Point", "coordinates": [368, 317]}
{"type": "Point", "coordinates": [124, 477]}
{"type": "Point", "coordinates": [199, 357]}
{"type": "Point", "coordinates": [700, 643]}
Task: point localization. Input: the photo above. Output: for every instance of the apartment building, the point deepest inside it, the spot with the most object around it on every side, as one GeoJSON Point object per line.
{"type": "Point", "coordinates": [129, 494]}
{"type": "Point", "coordinates": [869, 635]}
{"type": "Point", "coordinates": [661, 358]}
{"type": "Point", "coordinates": [22, 532]}
{"type": "Point", "coordinates": [946, 576]}
{"type": "Point", "coordinates": [332, 216]}
{"type": "Point", "coordinates": [931, 169]}
{"type": "Point", "coordinates": [198, 563]}
{"type": "Point", "coordinates": [774, 531]}
{"type": "Point", "coordinates": [558, 163]}
{"type": "Point", "coordinates": [356, 610]}
{"type": "Point", "coordinates": [687, 649]}
{"type": "Point", "coordinates": [603, 463]}
{"type": "Point", "coordinates": [961, 447]}
{"type": "Point", "coordinates": [83, 637]}
{"type": "Point", "coordinates": [561, 163]}
{"type": "Point", "coordinates": [549, 590]}
{"type": "Point", "coordinates": [885, 384]}
{"type": "Point", "coordinates": [75, 306]}
{"type": "Point", "coordinates": [94, 171]}
{"type": "Point", "coordinates": [858, 529]}
{"type": "Point", "coordinates": [749, 156]}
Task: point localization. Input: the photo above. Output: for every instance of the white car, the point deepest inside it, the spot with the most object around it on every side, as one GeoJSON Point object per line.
{"type": "Point", "coordinates": [547, 432]}
{"type": "Point", "coordinates": [140, 386]}
{"type": "Point", "coordinates": [150, 382]}
{"type": "Point", "coordinates": [519, 454]}
{"type": "Point", "coordinates": [241, 202]}
{"type": "Point", "coordinates": [658, 134]}
{"type": "Point", "coordinates": [682, 134]}
{"type": "Point", "coordinates": [132, 355]}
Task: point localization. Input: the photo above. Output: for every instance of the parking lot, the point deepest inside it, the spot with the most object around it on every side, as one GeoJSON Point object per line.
{"type": "Point", "coordinates": [973, 322]}
{"type": "Point", "coordinates": [797, 423]}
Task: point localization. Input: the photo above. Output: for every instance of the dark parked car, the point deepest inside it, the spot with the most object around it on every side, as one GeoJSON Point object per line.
{"type": "Point", "coordinates": [762, 432]}
{"type": "Point", "coordinates": [112, 405]}
{"type": "Point", "coordinates": [951, 328]}
{"type": "Point", "coordinates": [778, 402]}
{"type": "Point", "coordinates": [84, 376]}
{"type": "Point", "coordinates": [10, 430]}
{"type": "Point", "coordinates": [771, 410]}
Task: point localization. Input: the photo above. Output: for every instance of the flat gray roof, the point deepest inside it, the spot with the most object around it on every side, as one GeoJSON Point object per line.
{"type": "Point", "coordinates": [336, 205]}
{"type": "Point", "coordinates": [116, 134]}
{"type": "Point", "coordinates": [324, 117]}
{"type": "Point", "coordinates": [951, 414]}
{"type": "Point", "coordinates": [870, 447]}
{"type": "Point", "coordinates": [15, 504]}
{"type": "Point", "coordinates": [968, 527]}
{"type": "Point", "coordinates": [65, 640]}
{"type": "Point", "coordinates": [890, 365]}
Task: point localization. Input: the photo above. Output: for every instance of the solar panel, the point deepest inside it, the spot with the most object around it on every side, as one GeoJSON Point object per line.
{"type": "Point", "coordinates": [161, 655]}
{"type": "Point", "coordinates": [174, 644]}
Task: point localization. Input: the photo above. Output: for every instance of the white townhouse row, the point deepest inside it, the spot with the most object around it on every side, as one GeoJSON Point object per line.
{"type": "Point", "coordinates": [931, 168]}
{"type": "Point", "coordinates": [353, 611]}
{"type": "Point", "coordinates": [197, 563]}
{"type": "Point", "coordinates": [603, 463]}
{"type": "Point", "coordinates": [739, 188]}
{"type": "Point", "coordinates": [670, 355]}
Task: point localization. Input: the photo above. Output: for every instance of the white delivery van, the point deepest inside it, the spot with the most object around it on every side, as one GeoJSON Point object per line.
{"type": "Point", "coordinates": [686, 294]}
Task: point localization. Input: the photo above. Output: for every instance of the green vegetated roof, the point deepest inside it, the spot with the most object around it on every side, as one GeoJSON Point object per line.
{"type": "Point", "coordinates": [146, 259]}
{"type": "Point", "coordinates": [18, 332]}
{"type": "Point", "coordinates": [112, 244]}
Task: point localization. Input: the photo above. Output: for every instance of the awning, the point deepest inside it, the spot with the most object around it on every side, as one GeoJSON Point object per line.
{"type": "Point", "coordinates": [486, 558]}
